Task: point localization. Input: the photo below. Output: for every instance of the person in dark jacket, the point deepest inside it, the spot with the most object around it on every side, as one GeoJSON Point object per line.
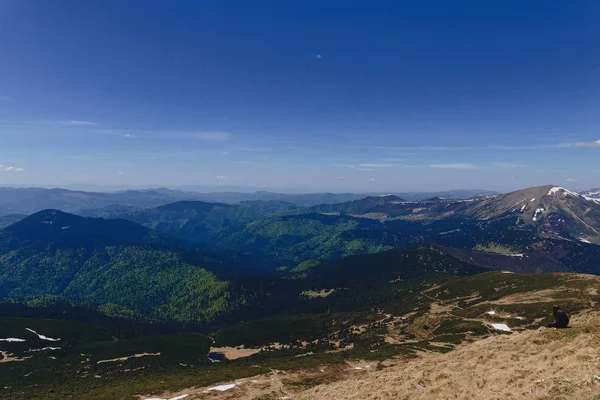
{"type": "Point", "coordinates": [561, 320]}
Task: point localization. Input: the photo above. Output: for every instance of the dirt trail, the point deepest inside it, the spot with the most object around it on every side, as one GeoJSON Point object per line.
{"type": "Point", "coordinates": [546, 363]}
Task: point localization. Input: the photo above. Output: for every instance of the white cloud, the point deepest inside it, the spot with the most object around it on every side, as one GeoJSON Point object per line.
{"type": "Point", "coordinates": [366, 169]}
{"type": "Point", "coordinates": [4, 98]}
{"type": "Point", "coordinates": [221, 177]}
{"type": "Point", "coordinates": [376, 165]}
{"type": "Point", "coordinates": [341, 178]}
{"type": "Point", "coordinates": [224, 153]}
{"type": "Point", "coordinates": [371, 179]}
{"type": "Point", "coordinates": [120, 173]}
{"type": "Point", "coordinates": [571, 179]}
{"type": "Point", "coordinates": [10, 169]}
{"type": "Point", "coordinates": [454, 166]}
{"type": "Point", "coordinates": [72, 122]}
{"type": "Point", "coordinates": [587, 144]}
{"type": "Point", "coordinates": [342, 165]}
{"type": "Point", "coordinates": [128, 135]}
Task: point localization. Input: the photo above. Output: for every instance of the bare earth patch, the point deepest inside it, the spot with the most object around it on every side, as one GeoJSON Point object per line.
{"type": "Point", "coordinates": [6, 357]}
{"type": "Point", "coordinates": [233, 353]}
{"type": "Point", "coordinates": [321, 293]}
{"type": "Point", "coordinates": [128, 357]}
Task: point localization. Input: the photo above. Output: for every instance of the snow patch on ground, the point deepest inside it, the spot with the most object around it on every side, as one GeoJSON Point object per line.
{"type": "Point", "coordinates": [12, 339]}
{"type": "Point", "coordinates": [501, 327]}
{"type": "Point", "coordinates": [183, 396]}
{"type": "Point", "coordinates": [492, 313]}
{"type": "Point", "coordinates": [46, 348]}
{"type": "Point", "coordinates": [42, 336]}
{"type": "Point", "coordinates": [566, 192]}
{"type": "Point", "coordinates": [532, 200]}
{"type": "Point", "coordinates": [538, 211]}
{"type": "Point", "coordinates": [507, 272]}
{"type": "Point", "coordinates": [580, 239]}
{"type": "Point", "coordinates": [221, 388]}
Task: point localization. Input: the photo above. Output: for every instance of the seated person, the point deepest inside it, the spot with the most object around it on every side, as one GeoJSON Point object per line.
{"type": "Point", "coordinates": [561, 320]}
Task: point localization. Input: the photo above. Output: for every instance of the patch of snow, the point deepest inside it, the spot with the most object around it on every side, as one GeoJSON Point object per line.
{"type": "Point", "coordinates": [42, 336]}
{"type": "Point", "coordinates": [183, 396]}
{"type": "Point", "coordinates": [507, 272]}
{"type": "Point", "coordinates": [492, 313]}
{"type": "Point", "coordinates": [554, 190]}
{"type": "Point", "coordinates": [516, 255]}
{"type": "Point", "coordinates": [523, 208]}
{"type": "Point", "coordinates": [532, 200]}
{"type": "Point", "coordinates": [566, 192]}
{"type": "Point", "coordinates": [64, 227]}
{"type": "Point", "coordinates": [585, 241]}
{"type": "Point", "coordinates": [12, 339]}
{"type": "Point", "coordinates": [46, 348]}
{"type": "Point", "coordinates": [357, 368]}
{"type": "Point", "coordinates": [221, 388]}
{"type": "Point", "coordinates": [538, 210]}
{"type": "Point", "coordinates": [501, 327]}
{"type": "Point", "coordinates": [597, 201]}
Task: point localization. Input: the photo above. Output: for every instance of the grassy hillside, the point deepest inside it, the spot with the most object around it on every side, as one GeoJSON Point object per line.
{"type": "Point", "coordinates": [439, 321]}
{"type": "Point", "coordinates": [113, 265]}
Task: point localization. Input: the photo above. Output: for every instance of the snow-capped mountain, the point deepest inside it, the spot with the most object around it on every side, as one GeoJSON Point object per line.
{"type": "Point", "coordinates": [593, 193]}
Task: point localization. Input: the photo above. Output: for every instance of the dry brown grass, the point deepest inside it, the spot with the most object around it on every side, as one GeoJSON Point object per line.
{"type": "Point", "coordinates": [542, 364]}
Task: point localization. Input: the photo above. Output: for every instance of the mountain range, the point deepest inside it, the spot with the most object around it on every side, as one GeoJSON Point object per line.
{"type": "Point", "coordinates": [25, 201]}
{"type": "Point", "coordinates": [292, 286]}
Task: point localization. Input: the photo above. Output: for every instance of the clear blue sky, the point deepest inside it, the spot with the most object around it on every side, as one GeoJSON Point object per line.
{"type": "Point", "coordinates": [327, 95]}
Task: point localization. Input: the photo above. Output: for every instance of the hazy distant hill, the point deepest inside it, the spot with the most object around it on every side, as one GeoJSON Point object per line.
{"type": "Point", "coordinates": [29, 200]}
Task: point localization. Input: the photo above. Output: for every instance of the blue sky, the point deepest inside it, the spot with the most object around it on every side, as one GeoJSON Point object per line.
{"type": "Point", "coordinates": [333, 95]}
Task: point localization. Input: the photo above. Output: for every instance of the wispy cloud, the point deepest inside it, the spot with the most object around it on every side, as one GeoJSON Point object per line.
{"type": "Point", "coordinates": [366, 169]}
{"type": "Point", "coordinates": [120, 173]}
{"type": "Point", "coordinates": [587, 144]}
{"type": "Point", "coordinates": [343, 165]}
{"type": "Point", "coordinates": [242, 162]}
{"type": "Point", "coordinates": [128, 135]}
{"type": "Point", "coordinates": [376, 165]}
{"type": "Point", "coordinates": [4, 98]}
{"type": "Point", "coordinates": [10, 169]}
{"type": "Point", "coordinates": [72, 122]}
{"type": "Point", "coordinates": [224, 153]}
{"type": "Point", "coordinates": [571, 179]}
{"type": "Point", "coordinates": [371, 179]}
{"type": "Point", "coordinates": [221, 177]}
{"type": "Point", "coordinates": [404, 149]}
{"type": "Point", "coordinates": [454, 166]}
